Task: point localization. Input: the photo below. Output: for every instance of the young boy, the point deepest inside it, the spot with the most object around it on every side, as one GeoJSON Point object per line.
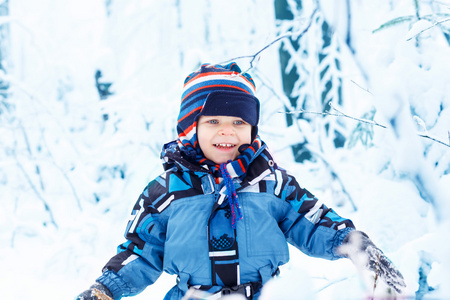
{"type": "Point", "coordinates": [222, 213]}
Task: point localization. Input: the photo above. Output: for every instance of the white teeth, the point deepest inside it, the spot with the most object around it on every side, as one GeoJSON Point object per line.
{"type": "Point", "coordinates": [224, 145]}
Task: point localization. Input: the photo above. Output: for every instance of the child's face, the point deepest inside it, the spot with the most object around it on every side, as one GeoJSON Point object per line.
{"type": "Point", "coordinates": [220, 137]}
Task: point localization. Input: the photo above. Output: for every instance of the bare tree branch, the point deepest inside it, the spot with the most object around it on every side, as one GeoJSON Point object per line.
{"type": "Point", "coordinates": [266, 83]}
{"type": "Point", "coordinates": [427, 136]}
{"type": "Point", "coordinates": [297, 34]}
{"type": "Point", "coordinates": [35, 190]}
{"type": "Point", "coordinates": [341, 114]}
{"type": "Point", "coordinates": [357, 119]}
{"type": "Point", "coordinates": [364, 89]}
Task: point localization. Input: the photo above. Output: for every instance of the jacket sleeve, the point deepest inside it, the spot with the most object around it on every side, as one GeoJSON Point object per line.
{"type": "Point", "coordinates": [139, 261]}
{"type": "Point", "coordinates": [310, 225]}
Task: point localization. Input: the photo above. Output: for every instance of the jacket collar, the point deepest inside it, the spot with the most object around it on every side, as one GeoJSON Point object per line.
{"type": "Point", "coordinates": [261, 165]}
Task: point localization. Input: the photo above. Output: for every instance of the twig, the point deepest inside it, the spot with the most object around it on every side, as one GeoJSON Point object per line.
{"type": "Point", "coordinates": [25, 135]}
{"type": "Point", "coordinates": [266, 83]}
{"type": "Point", "coordinates": [72, 187]}
{"type": "Point", "coordinates": [364, 89]}
{"type": "Point", "coordinates": [33, 187]}
{"type": "Point", "coordinates": [286, 35]}
{"type": "Point", "coordinates": [357, 119]}
{"type": "Point", "coordinates": [435, 24]}
{"type": "Point", "coordinates": [341, 114]}
{"type": "Point", "coordinates": [424, 135]}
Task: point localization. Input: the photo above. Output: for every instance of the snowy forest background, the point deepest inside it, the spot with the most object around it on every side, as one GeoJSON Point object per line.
{"type": "Point", "coordinates": [90, 89]}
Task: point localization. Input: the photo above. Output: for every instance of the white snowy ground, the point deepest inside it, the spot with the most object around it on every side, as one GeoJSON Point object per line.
{"type": "Point", "coordinates": [57, 48]}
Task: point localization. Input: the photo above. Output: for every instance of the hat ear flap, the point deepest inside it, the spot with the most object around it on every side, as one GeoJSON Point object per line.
{"type": "Point", "coordinates": [254, 133]}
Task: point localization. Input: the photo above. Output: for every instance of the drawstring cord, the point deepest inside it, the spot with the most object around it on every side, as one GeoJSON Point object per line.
{"type": "Point", "coordinates": [232, 196]}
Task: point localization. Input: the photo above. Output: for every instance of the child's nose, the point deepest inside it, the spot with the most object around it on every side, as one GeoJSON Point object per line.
{"type": "Point", "coordinates": [226, 129]}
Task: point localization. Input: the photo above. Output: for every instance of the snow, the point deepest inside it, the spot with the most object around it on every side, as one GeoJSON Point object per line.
{"type": "Point", "coordinates": [56, 149]}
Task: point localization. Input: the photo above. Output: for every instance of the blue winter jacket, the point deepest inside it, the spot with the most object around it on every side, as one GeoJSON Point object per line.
{"type": "Point", "coordinates": [181, 225]}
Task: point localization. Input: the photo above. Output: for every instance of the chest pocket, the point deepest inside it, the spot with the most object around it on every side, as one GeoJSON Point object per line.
{"type": "Point", "coordinates": [222, 236]}
{"type": "Point", "coordinates": [262, 213]}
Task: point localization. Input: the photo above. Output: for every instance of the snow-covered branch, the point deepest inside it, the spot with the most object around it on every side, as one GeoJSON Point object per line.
{"type": "Point", "coordinates": [314, 150]}
{"type": "Point", "coordinates": [428, 28]}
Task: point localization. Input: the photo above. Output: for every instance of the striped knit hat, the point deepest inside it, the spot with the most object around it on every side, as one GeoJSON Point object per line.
{"type": "Point", "coordinates": [215, 90]}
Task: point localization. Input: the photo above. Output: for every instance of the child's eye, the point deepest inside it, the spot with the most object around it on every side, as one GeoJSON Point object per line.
{"type": "Point", "coordinates": [239, 122]}
{"type": "Point", "coordinates": [213, 121]}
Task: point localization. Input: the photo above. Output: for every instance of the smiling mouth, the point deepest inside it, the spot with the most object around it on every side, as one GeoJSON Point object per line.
{"type": "Point", "coordinates": [224, 146]}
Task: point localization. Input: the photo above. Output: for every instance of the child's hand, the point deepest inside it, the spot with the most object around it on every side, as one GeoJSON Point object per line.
{"type": "Point", "coordinates": [361, 250]}
{"type": "Point", "coordinates": [96, 292]}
